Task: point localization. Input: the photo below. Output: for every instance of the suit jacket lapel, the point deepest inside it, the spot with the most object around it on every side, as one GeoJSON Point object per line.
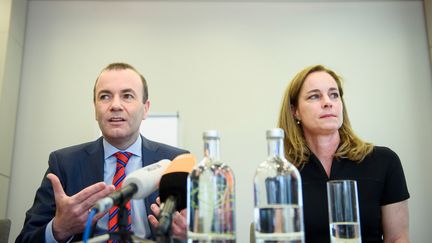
{"type": "Point", "coordinates": [148, 151]}
{"type": "Point", "coordinates": [148, 156]}
{"type": "Point", "coordinates": [92, 170]}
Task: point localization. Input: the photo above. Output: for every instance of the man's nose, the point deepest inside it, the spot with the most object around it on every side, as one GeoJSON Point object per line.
{"type": "Point", "coordinates": [116, 103]}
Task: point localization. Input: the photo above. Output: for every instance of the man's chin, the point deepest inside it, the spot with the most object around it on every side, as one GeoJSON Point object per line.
{"type": "Point", "coordinates": [116, 134]}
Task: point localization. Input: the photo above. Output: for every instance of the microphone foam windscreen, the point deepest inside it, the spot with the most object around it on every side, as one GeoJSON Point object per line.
{"type": "Point", "coordinates": [174, 180]}
{"type": "Point", "coordinates": [147, 178]}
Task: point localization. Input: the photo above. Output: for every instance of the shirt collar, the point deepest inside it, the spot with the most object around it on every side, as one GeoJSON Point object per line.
{"type": "Point", "coordinates": [135, 148]}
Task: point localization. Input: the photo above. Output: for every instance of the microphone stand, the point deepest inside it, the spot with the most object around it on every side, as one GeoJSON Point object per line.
{"type": "Point", "coordinates": [163, 231]}
{"type": "Point", "coordinates": [164, 238]}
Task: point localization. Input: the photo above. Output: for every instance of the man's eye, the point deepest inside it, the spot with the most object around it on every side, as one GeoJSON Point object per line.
{"type": "Point", "coordinates": [128, 96]}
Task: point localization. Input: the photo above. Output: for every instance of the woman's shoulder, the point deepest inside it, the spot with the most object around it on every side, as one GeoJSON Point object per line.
{"type": "Point", "coordinates": [387, 163]}
{"type": "Point", "coordinates": [383, 155]}
{"type": "Point", "coordinates": [383, 151]}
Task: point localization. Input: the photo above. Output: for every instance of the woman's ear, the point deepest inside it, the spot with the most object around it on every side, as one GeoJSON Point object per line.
{"type": "Point", "coordinates": [294, 113]}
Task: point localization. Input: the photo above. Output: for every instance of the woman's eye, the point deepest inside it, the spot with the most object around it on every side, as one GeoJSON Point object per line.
{"type": "Point", "coordinates": [334, 95]}
{"type": "Point", "coordinates": [103, 97]}
{"type": "Point", "coordinates": [313, 97]}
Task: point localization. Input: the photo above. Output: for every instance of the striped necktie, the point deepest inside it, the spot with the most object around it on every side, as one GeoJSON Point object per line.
{"type": "Point", "coordinates": [122, 160]}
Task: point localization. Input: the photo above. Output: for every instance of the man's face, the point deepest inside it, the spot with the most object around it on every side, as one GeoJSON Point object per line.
{"type": "Point", "coordinates": [119, 106]}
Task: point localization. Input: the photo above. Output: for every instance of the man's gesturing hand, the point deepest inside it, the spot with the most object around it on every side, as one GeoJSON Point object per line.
{"type": "Point", "coordinates": [72, 212]}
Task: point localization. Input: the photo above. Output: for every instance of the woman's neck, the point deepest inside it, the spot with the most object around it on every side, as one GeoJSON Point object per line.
{"type": "Point", "coordinates": [324, 147]}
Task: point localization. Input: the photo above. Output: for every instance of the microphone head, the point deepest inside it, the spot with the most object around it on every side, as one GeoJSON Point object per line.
{"type": "Point", "coordinates": [174, 180]}
{"type": "Point", "coordinates": [147, 178]}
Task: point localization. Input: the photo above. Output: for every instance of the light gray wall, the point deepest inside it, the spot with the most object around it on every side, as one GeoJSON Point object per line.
{"type": "Point", "coordinates": [428, 15]}
{"type": "Point", "coordinates": [5, 10]}
{"type": "Point", "coordinates": [225, 65]}
{"type": "Point", "coordinates": [12, 25]}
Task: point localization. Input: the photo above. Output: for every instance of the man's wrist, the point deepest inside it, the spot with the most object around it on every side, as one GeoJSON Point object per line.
{"type": "Point", "coordinates": [57, 236]}
{"type": "Point", "coordinates": [49, 236]}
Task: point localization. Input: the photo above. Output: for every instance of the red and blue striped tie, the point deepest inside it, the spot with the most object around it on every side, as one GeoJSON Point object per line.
{"type": "Point", "coordinates": [122, 160]}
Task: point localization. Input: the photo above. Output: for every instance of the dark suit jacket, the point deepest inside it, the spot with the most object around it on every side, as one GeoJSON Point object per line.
{"type": "Point", "coordinates": [78, 167]}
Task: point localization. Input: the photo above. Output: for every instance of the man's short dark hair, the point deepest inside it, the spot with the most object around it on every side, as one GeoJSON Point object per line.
{"type": "Point", "coordinates": [123, 66]}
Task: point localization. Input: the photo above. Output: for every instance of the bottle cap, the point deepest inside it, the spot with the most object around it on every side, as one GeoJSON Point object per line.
{"type": "Point", "coordinates": [275, 133]}
{"type": "Point", "coordinates": [212, 134]}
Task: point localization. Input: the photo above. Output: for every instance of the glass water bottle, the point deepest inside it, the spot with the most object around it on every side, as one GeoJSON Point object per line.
{"type": "Point", "coordinates": [278, 196]}
{"type": "Point", "coordinates": [211, 199]}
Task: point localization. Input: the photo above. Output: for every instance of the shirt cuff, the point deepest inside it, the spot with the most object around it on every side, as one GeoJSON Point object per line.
{"type": "Point", "coordinates": [49, 236]}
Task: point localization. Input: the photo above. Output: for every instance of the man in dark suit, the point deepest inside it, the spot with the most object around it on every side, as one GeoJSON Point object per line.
{"type": "Point", "coordinates": [78, 176]}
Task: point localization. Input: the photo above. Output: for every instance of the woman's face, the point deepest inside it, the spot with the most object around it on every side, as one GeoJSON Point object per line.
{"type": "Point", "coordinates": [319, 106]}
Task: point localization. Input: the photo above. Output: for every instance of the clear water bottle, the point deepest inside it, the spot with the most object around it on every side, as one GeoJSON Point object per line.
{"type": "Point", "coordinates": [278, 196]}
{"type": "Point", "coordinates": [211, 199]}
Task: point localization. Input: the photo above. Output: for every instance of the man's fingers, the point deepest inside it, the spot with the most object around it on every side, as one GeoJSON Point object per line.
{"type": "Point", "coordinates": [91, 201]}
{"type": "Point", "coordinates": [91, 194]}
{"type": "Point", "coordinates": [57, 187]}
{"type": "Point", "coordinates": [153, 221]}
{"type": "Point", "coordinates": [100, 215]}
{"type": "Point", "coordinates": [158, 201]}
{"type": "Point", "coordinates": [155, 208]}
{"type": "Point", "coordinates": [183, 212]}
{"type": "Point", "coordinates": [89, 191]}
{"type": "Point", "coordinates": [179, 220]}
{"type": "Point", "coordinates": [179, 226]}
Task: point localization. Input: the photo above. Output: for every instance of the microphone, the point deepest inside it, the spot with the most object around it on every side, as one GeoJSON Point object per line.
{"type": "Point", "coordinates": [137, 185]}
{"type": "Point", "coordinates": [173, 190]}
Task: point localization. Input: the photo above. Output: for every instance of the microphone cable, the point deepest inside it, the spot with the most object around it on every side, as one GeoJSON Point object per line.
{"type": "Point", "coordinates": [88, 227]}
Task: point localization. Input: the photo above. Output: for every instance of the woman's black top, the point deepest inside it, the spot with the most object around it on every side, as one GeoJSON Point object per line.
{"type": "Point", "coordinates": [380, 181]}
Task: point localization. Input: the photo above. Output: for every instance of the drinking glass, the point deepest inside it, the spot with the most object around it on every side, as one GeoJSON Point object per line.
{"type": "Point", "coordinates": [343, 211]}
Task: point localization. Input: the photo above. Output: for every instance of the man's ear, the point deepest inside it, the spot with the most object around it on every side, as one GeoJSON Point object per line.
{"type": "Point", "coordinates": [146, 109]}
{"type": "Point", "coordinates": [95, 113]}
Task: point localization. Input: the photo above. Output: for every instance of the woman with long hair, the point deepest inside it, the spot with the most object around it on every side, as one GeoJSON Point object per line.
{"type": "Point", "coordinates": [319, 140]}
